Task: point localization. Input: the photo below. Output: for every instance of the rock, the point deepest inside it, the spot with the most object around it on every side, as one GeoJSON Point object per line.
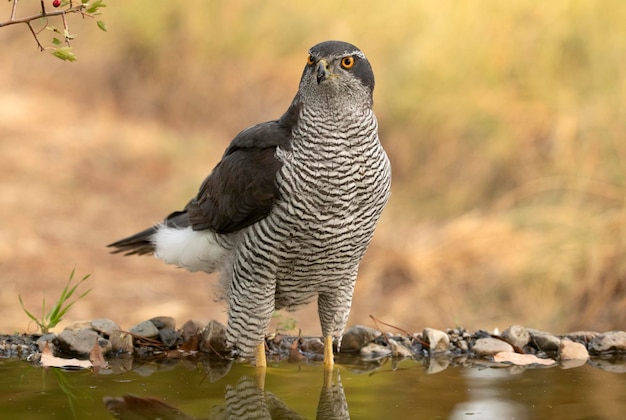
{"type": "Point", "coordinates": [164, 322]}
{"type": "Point", "coordinates": [583, 337]}
{"type": "Point", "coordinates": [80, 341]}
{"type": "Point", "coordinates": [545, 341]}
{"type": "Point", "coordinates": [189, 330]}
{"type": "Point", "coordinates": [214, 338]}
{"type": "Point", "coordinates": [357, 337]}
{"type": "Point", "coordinates": [374, 351]}
{"type": "Point", "coordinates": [78, 325]}
{"type": "Point", "coordinates": [490, 346]}
{"type": "Point", "coordinates": [517, 335]}
{"type": "Point", "coordinates": [398, 349]}
{"type": "Point", "coordinates": [121, 341]}
{"type": "Point", "coordinates": [438, 341]}
{"type": "Point", "coordinates": [569, 350]}
{"type": "Point", "coordinates": [312, 345]}
{"type": "Point", "coordinates": [104, 326]}
{"type": "Point", "coordinates": [609, 342]}
{"type": "Point", "coordinates": [168, 337]}
{"type": "Point", "coordinates": [46, 338]}
{"type": "Point", "coordinates": [145, 329]}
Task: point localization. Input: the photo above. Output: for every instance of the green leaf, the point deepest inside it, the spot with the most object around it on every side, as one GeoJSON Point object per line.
{"type": "Point", "coordinates": [102, 25]}
{"type": "Point", "coordinates": [56, 41]}
{"type": "Point", "coordinates": [64, 53]}
{"type": "Point", "coordinates": [95, 6]}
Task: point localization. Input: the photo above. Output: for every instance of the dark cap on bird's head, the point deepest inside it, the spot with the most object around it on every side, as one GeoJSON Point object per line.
{"type": "Point", "coordinates": [330, 59]}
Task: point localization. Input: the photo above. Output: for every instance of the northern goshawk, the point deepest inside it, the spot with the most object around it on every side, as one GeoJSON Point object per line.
{"type": "Point", "coordinates": [289, 211]}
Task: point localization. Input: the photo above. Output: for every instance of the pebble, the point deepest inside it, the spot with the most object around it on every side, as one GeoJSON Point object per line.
{"type": "Point", "coordinates": [145, 329]}
{"type": "Point", "coordinates": [437, 340]}
{"type": "Point", "coordinates": [163, 322]}
{"type": "Point", "coordinates": [545, 341]}
{"type": "Point", "coordinates": [374, 351]}
{"type": "Point", "coordinates": [398, 349]}
{"type": "Point", "coordinates": [168, 337]}
{"type": "Point", "coordinates": [609, 342]}
{"type": "Point", "coordinates": [312, 345]}
{"type": "Point", "coordinates": [214, 338]}
{"type": "Point", "coordinates": [516, 335]}
{"type": "Point", "coordinates": [490, 346]}
{"type": "Point", "coordinates": [570, 350]}
{"type": "Point", "coordinates": [80, 341]}
{"type": "Point", "coordinates": [357, 337]}
{"type": "Point", "coordinates": [104, 326]}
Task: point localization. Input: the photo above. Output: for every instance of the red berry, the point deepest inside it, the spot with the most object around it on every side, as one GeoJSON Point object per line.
{"type": "Point", "coordinates": [56, 3]}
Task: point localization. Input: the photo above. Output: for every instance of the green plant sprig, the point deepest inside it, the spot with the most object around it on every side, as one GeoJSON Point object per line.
{"type": "Point", "coordinates": [60, 307]}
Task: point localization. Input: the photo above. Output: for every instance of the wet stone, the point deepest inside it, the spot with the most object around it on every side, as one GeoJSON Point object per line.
{"type": "Point", "coordinates": [312, 345]}
{"type": "Point", "coordinates": [357, 337]}
{"type": "Point", "coordinates": [189, 330]}
{"type": "Point", "coordinates": [145, 329]}
{"type": "Point", "coordinates": [121, 341]}
{"type": "Point", "coordinates": [398, 349]}
{"type": "Point", "coordinates": [214, 338]}
{"type": "Point", "coordinates": [438, 340]}
{"type": "Point", "coordinates": [490, 346]}
{"type": "Point", "coordinates": [545, 341]}
{"type": "Point", "coordinates": [609, 342]}
{"type": "Point", "coordinates": [570, 350]}
{"type": "Point", "coordinates": [161, 322]}
{"type": "Point", "coordinates": [374, 351]}
{"type": "Point", "coordinates": [516, 335]}
{"type": "Point", "coordinates": [168, 337]}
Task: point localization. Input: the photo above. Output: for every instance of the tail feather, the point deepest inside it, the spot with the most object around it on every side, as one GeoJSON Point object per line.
{"type": "Point", "coordinates": [137, 244]}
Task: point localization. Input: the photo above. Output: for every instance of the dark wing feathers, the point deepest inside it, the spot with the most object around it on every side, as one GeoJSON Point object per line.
{"type": "Point", "coordinates": [240, 190]}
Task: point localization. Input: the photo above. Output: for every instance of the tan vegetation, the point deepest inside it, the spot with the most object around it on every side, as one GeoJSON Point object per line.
{"type": "Point", "coordinates": [504, 121]}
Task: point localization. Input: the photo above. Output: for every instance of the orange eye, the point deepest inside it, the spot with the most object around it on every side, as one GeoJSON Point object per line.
{"type": "Point", "coordinates": [310, 61]}
{"type": "Point", "coordinates": [347, 62]}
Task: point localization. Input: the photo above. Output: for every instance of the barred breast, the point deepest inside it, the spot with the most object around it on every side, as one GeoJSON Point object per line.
{"type": "Point", "coordinates": [334, 183]}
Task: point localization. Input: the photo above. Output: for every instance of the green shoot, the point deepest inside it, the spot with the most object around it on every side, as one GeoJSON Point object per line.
{"type": "Point", "coordinates": [60, 308]}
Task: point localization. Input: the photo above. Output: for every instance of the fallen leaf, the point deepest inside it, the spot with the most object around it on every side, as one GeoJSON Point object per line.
{"type": "Point", "coordinates": [96, 357]}
{"type": "Point", "coordinates": [521, 359]}
{"type": "Point", "coordinates": [49, 360]}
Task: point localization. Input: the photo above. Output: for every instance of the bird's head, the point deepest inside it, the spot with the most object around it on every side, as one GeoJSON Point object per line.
{"type": "Point", "coordinates": [338, 67]}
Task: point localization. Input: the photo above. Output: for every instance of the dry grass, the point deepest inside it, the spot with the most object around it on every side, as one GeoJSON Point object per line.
{"type": "Point", "coordinates": [504, 122]}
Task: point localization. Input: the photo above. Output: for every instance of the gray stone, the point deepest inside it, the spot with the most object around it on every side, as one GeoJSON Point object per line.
{"type": "Point", "coordinates": [104, 326]}
{"type": "Point", "coordinates": [214, 338]}
{"type": "Point", "coordinates": [545, 341]}
{"type": "Point", "coordinates": [145, 329]}
{"type": "Point", "coordinates": [438, 341]}
{"type": "Point", "coordinates": [80, 341]}
{"type": "Point", "coordinates": [163, 322]}
{"type": "Point", "coordinates": [168, 337]}
{"type": "Point", "coordinates": [374, 351]}
{"type": "Point", "coordinates": [489, 346]}
{"type": "Point", "coordinates": [357, 337]}
{"type": "Point", "coordinates": [609, 342]}
{"type": "Point", "coordinates": [516, 335]}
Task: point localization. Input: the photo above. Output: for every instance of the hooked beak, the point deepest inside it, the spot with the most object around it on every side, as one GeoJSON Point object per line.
{"type": "Point", "coordinates": [322, 71]}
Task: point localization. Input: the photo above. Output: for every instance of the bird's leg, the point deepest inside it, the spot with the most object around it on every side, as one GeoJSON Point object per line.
{"type": "Point", "coordinates": [329, 360]}
{"type": "Point", "coordinates": [261, 365]}
{"type": "Point", "coordinates": [259, 356]}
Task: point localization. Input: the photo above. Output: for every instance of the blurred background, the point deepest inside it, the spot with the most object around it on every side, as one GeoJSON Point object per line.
{"type": "Point", "coordinates": [505, 123]}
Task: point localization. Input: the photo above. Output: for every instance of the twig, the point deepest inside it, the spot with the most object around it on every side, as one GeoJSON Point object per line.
{"type": "Point", "coordinates": [28, 19]}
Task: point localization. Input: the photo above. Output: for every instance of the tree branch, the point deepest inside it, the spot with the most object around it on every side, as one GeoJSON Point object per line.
{"type": "Point", "coordinates": [43, 14]}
